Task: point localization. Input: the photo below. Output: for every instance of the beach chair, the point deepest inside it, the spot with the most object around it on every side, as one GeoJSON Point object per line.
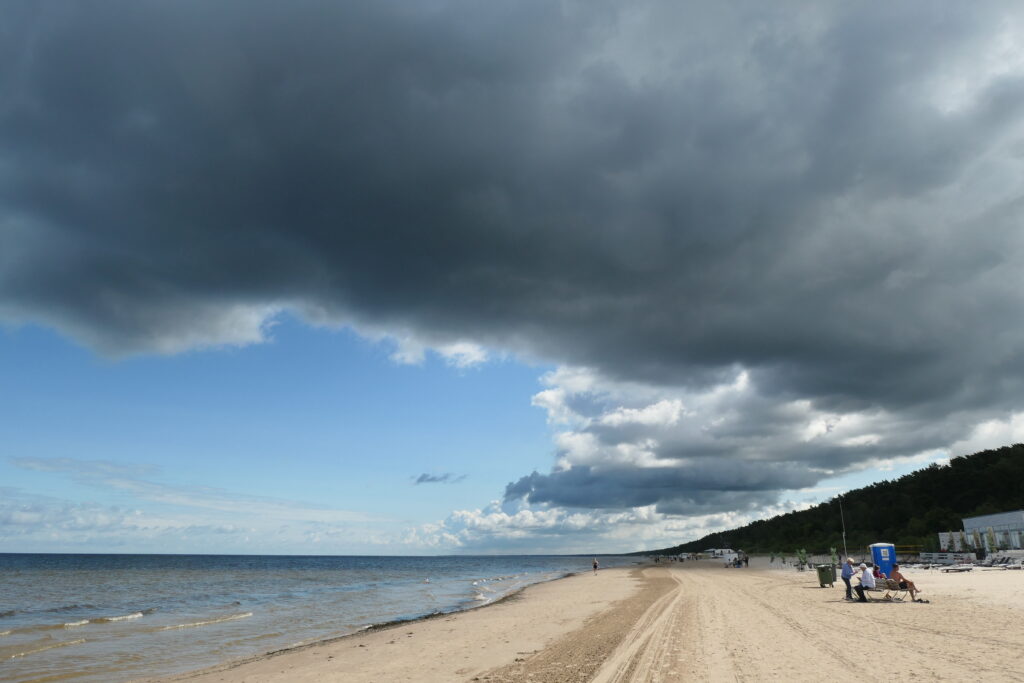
{"type": "Point", "coordinates": [1000, 563]}
{"type": "Point", "coordinates": [890, 590]}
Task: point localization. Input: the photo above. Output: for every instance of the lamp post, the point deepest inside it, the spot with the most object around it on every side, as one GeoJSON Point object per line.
{"type": "Point", "coordinates": [843, 520]}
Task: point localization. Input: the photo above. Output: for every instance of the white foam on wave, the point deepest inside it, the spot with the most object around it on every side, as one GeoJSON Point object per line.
{"type": "Point", "coordinates": [4, 633]}
{"type": "Point", "coordinates": [47, 647]}
{"type": "Point", "coordinates": [194, 624]}
{"type": "Point", "coordinates": [102, 620]}
{"type": "Point", "coordinates": [124, 617]}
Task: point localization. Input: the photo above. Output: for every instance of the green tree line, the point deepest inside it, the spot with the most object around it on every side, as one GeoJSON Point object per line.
{"type": "Point", "coordinates": [909, 511]}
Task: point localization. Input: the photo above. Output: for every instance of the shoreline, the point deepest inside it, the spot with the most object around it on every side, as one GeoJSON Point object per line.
{"type": "Point", "coordinates": [370, 628]}
{"type": "Point", "coordinates": [377, 628]}
{"type": "Point", "coordinates": [692, 622]}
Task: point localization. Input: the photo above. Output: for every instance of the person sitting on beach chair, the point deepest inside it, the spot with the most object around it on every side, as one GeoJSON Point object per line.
{"type": "Point", "coordinates": [905, 583]}
{"type": "Point", "coordinates": [867, 580]}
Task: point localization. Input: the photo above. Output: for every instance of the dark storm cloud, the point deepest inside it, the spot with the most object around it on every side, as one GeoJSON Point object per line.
{"type": "Point", "coordinates": [679, 490]}
{"type": "Point", "coordinates": [826, 195]}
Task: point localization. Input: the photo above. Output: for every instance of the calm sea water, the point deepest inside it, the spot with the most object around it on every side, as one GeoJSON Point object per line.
{"type": "Point", "coordinates": [118, 617]}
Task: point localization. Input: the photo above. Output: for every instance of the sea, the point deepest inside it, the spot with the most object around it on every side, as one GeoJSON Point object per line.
{"type": "Point", "coordinates": [110, 618]}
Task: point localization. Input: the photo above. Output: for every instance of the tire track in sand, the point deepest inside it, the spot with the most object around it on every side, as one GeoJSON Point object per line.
{"type": "Point", "coordinates": [648, 642]}
{"type": "Point", "coordinates": [576, 657]}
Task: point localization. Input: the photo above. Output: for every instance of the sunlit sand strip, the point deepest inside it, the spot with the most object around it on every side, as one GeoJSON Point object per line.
{"type": "Point", "coordinates": [47, 647]}
{"type": "Point", "coordinates": [233, 617]}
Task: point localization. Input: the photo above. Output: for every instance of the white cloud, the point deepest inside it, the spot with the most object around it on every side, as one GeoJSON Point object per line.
{"type": "Point", "coordinates": [663, 413]}
{"type": "Point", "coordinates": [991, 434]}
{"type": "Point", "coordinates": [553, 401]}
{"type": "Point", "coordinates": [861, 440]}
{"type": "Point", "coordinates": [408, 351]}
{"type": "Point", "coordinates": [547, 529]}
{"type": "Point", "coordinates": [923, 459]}
{"type": "Point", "coordinates": [412, 349]}
{"type": "Point", "coordinates": [167, 517]}
{"type": "Point", "coordinates": [462, 354]}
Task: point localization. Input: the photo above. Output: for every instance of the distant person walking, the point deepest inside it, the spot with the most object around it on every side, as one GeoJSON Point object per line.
{"type": "Point", "coordinates": [846, 574]}
{"type": "Point", "coordinates": [595, 566]}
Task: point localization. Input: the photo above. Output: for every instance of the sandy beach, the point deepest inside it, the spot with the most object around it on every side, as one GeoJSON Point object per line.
{"type": "Point", "coordinates": [690, 622]}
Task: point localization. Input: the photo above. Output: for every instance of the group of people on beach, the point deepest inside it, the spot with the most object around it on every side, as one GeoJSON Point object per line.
{"type": "Point", "coordinates": [866, 580]}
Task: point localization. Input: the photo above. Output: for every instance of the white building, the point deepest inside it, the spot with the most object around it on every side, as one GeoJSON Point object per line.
{"type": "Point", "coordinates": [1003, 531]}
{"type": "Point", "coordinates": [727, 554]}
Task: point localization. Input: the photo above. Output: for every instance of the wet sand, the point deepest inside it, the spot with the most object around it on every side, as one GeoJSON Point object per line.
{"type": "Point", "coordinates": [691, 622]}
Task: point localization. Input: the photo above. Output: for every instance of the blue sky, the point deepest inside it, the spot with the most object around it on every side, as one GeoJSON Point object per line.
{"type": "Point", "coordinates": [313, 416]}
{"type": "Point", "coordinates": [245, 418]}
{"type": "Point", "coordinates": [599, 276]}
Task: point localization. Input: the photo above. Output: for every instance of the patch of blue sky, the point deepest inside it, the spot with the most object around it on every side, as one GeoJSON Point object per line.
{"type": "Point", "coordinates": [320, 416]}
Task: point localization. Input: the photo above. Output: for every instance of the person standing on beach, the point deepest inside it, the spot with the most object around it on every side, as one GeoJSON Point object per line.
{"type": "Point", "coordinates": [846, 574]}
{"type": "Point", "coordinates": [595, 566]}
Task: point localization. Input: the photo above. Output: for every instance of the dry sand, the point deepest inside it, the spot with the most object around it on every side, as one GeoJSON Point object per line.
{"type": "Point", "coordinates": [691, 622]}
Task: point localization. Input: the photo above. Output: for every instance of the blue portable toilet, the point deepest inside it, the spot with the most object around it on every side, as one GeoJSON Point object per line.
{"type": "Point", "coordinates": [884, 556]}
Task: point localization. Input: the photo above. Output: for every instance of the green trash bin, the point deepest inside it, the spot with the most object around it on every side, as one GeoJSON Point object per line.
{"type": "Point", "coordinates": [826, 575]}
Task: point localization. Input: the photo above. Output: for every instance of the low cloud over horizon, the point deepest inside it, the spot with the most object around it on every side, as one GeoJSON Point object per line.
{"type": "Point", "coordinates": [763, 245]}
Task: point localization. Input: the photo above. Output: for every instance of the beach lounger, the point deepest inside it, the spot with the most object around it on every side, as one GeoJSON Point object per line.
{"type": "Point", "coordinates": [999, 565]}
{"type": "Point", "coordinates": [960, 568]}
